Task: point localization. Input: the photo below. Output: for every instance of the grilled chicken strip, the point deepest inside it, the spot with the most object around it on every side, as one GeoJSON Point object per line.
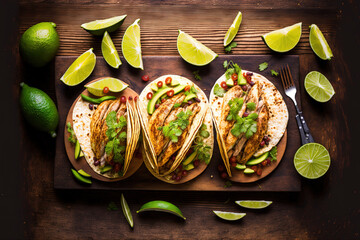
{"type": "Point", "coordinates": [101, 138]}
{"type": "Point", "coordinates": [174, 146]}
{"type": "Point", "coordinates": [252, 145]}
{"type": "Point", "coordinates": [158, 118]}
{"type": "Point", "coordinates": [225, 125]}
{"type": "Point", "coordinates": [96, 121]}
{"type": "Point", "coordinates": [253, 96]}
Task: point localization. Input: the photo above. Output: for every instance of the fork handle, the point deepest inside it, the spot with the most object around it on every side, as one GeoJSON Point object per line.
{"type": "Point", "coordinates": [308, 137]}
{"type": "Point", "coordinates": [301, 130]}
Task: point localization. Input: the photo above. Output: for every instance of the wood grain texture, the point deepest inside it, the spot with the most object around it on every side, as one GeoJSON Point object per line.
{"type": "Point", "coordinates": [325, 209]}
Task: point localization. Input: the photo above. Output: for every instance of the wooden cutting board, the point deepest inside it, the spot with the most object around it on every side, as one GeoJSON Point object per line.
{"type": "Point", "coordinates": [283, 178]}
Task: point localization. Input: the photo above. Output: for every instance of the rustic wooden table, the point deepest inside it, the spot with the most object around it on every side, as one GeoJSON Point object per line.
{"type": "Point", "coordinates": [325, 209]}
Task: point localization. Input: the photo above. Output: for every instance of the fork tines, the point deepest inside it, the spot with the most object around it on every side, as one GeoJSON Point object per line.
{"type": "Point", "coordinates": [286, 77]}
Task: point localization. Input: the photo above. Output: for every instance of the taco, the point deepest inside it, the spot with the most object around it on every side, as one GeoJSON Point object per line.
{"type": "Point", "coordinates": [250, 117]}
{"type": "Point", "coordinates": [108, 134]}
{"type": "Point", "coordinates": [177, 127]}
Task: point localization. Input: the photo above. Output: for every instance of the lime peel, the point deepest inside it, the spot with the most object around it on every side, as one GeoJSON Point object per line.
{"type": "Point", "coordinates": [161, 206]}
{"type": "Point", "coordinates": [233, 29]}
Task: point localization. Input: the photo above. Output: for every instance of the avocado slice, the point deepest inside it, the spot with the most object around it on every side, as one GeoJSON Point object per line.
{"type": "Point", "coordinates": [189, 159]}
{"type": "Point", "coordinates": [159, 93]}
{"type": "Point", "coordinates": [189, 167]}
{"type": "Point", "coordinates": [240, 166]}
{"type": "Point", "coordinates": [77, 149]}
{"type": "Point", "coordinates": [174, 83]}
{"type": "Point", "coordinates": [230, 82]}
{"type": "Point", "coordinates": [105, 169]}
{"type": "Point", "coordinates": [258, 160]}
{"type": "Point", "coordinates": [154, 87]}
{"type": "Point", "coordinates": [241, 80]}
{"type": "Point", "coordinates": [248, 171]}
{"type": "Point", "coordinates": [190, 96]}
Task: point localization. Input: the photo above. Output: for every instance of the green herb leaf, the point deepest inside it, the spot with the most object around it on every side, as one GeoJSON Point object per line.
{"type": "Point", "coordinates": [253, 116]}
{"type": "Point", "coordinates": [274, 73]}
{"type": "Point", "coordinates": [112, 206]}
{"type": "Point", "coordinates": [273, 153]}
{"type": "Point", "coordinates": [237, 68]}
{"type": "Point", "coordinates": [230, 47]}
{"type": "Point", "coordinates": [72, 137]}
{"type": "Point", "coordinates": [196, 75]}
{"type": "Point", "coordinates": [229, 72]}
{"type": "Point", "coordinates": [227, 184]}
{"type": "Point", "coordinates": [225, 64]}
{"type": "Point", "coordinates": [251, 106]}
{"type": "Point", "coordinates": [235, 106]}
{"type": "Point", "coordinates": [251, 130]}
{"type": "Point", "coordinates": [176, 105]}
{"type": "Point", "coordinates": [204, 134]}
{"type": "Point", "coordinates": [219, 91]}
{"type": "Point", "coordinates": [263, 66]}
{"type": "Point", "coordinates": [176, 127]}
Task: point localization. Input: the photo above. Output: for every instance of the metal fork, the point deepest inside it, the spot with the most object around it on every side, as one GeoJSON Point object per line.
{"type": "Point", "coordinates": [290, 91]}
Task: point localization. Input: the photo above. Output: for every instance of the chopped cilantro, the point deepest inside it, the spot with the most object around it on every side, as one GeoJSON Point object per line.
{"type": "Point", "coordinates": [235, 106]}
{"type": "Point", "coordinates": [227, 184]}
{"type": "Point", "coordinates": [263, 66]}
{"type": "Point", "coordinates": [251, 106]}
{"type": "Point", "coordinates": [176, 127]}
{"type": "Point", "coordinates": [273, 153]}
{"type": "Point", "coordinates": [72, 137]}
{"type": "Point", "coordinates": [246, 125]}
{"type": "Point", "coordinates": [196, 75]}
{"type": "Point", "coordinates": [230, 47]}
{"type": "Point", "coordinates": [176, 105]}
{"type": "Point", "coordinates": [112, 206]}
{"type": "Point", "coordinates": [225, 64]}
{"type": "Point", "coordinates": [219, 91]}
{"type": "Point", "coordinates": [115, 144]}
{"type": "Point", "coordinates": [231, 68]}
{"type": "Point", "coordinates": [274, 73]}
{"type": "Point", "coordinates": [192, 90]}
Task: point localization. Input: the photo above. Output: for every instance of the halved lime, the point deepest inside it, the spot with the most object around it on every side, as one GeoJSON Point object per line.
{"type": "Point", "coordinates": [232, 31]}
{"type": "Point", "coordinates": [229, 216]}
{"type": "Point", "coordinates": [319, 44]}
{"type": "Point", "coordinates": [253, 204]}
{"type": "Point", "coordinates": [98, 27]}
{"type": "Point", "coordinates": [312, 160]}
{"type": "Point", "coordinates": [109, 52]}
{"type": "Point", "coordinates": [131, 46]}
{"type": "Point", "coordinates": [284, 39]}
{"type": "Point", "coordinates": [318, 87]}
{"type": "Point", "coordinates": [114, 85]}
{"type": "Point", "coordinates": [193, 51]}
{"type": "Point", "coordinates": [161, 206]}
{"type": "Point", "coordinates": [126, 211]}
{"type": "Point", "coordinates": [80, 69]}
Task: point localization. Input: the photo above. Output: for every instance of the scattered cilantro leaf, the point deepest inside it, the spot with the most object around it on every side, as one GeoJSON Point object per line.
{"type": "Point", "coordinates": [247, 126]}
{"type": "Point", "coordinates": [227, 184]}
{"type": "Point", "coordinates": [72, 137]}
{"type": "Point", "coordinates": [176, 127]}
{"type": "Point", "coordinates": [201, 148]}
{"type": "Point", "coordinates": [176, 105]}
{"type": "Point", "coordinates": [230, 47]}
{"type": "Point", "coordinates": [251, 106]}
{"type": "Point", "coordinates": [229, 72]}
{"type": "Point", "coordinates": [116, 136]}
{"type": "Point", "coordinates": [251, 130]}
{"type": "Point", "coordinates": [235, 106]}
{"type": "Point", "coordinates": [196, 75]}
{"type": "Point", "coordinates": [273, 153]}
{"type": "Point", "coordinates": [274, 73]}
{"type": "Point", "coordinates": [263, 66]}
{"type": "Point", "coordinates": [112, 206]}
{"type": "Point", "coordinates": [219, 91]}
{"type": "Point", "coordinates": [225, 64]}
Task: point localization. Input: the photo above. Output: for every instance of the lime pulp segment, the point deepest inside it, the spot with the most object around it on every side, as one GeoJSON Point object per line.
{"type": "Point", "coordinates": [131, 46]}
{"type": "Point", "coordinates": [319, 44]}
{"type": "Point", "coordinates": [114, 85]}
{"type": "Point", "coordinates": [318, 86]}
{"type": "Point", "coordinates": [229, 216]}
{"type": "Point", "coordinates": [285, 39]}
{"type": "Point", "coordinates": [233, 30]}
{"type": "Point", "coordinates": [253, 204]}
{"type": "Point", "coordinates": [312, 160]}
{"type": "Point", "coordinates": [109, 52]}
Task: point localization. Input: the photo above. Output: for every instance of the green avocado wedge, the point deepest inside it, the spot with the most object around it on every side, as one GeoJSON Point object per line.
{"type": "Point", "coordinates": [258, 160]}
{"type": "Point", "coordinates": [161, 92]}
{"type": "Point", "coordinates": [80, 178]}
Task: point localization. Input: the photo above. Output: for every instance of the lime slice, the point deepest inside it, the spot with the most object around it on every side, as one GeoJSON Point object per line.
{"type": "Point", "coordinates": [312, 160]}
{"type": "Point", "coordinates": [319, 44]}
{"type": "Point", "coordinates": [232, 31]}
{"type": "Point", "coordinates": [284, 39]}
{"type": "Point", "coordinates": [193, 51]}
{"type": "Point", "coordinates": [131, 46]}
{"type": "Point", "coordinates": [253, 204]}
{"type": "Point", "coordinates": [126, 211]}
{"type": "Point", "coordinates": [98, 27]}
{"type": "Point", "coordinates": [114, 85]}
{"type": "Point", "coordinates": [318, 86]}
{"type": "Point", "coordinates": [109, 52]}
{"type": "Point", "coordinates": [229, 216]}
{"type": "Point", "coordinates": [80, 69]}
{"type": "Point", "coordinates": [161, 206]}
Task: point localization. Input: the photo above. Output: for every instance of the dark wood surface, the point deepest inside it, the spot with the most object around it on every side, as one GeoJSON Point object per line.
{"type": "Point", "coordinates": [284, 178]}
{"type": "Point", "coordinates": [326, 208]}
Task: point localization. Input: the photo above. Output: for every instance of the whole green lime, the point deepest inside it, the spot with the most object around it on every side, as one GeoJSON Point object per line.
{"type": "Point", "coordinates": [39, 44]}
{"type": "Point", "coordinates": [39, 109]}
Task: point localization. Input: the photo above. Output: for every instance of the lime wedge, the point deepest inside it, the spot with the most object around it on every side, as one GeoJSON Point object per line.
{"type": "Point", "coordinates": [229, 216]}
{"type": "Point", "coordinates": [114, 85]}
{"type": "Point", "coordinates": [318, 86]}
{"type": "Point", "coordinates": [319, 44]}
{"type": "Point", "coordinates": [312, 160]}
{"type": "Point", "coordinates": [161, 206]}
{"type": "Point", "coordinates": [126, 211]}
{"type": "Point", "coordinates": [98, 27]}
{"type": "Point", "coordinates": [131, 46]}
{"type": "Point", "coordinates": [284, 39]}
{"type": "Point", "coordinates": [232, 31]}
{"type": "Point", "coordinates": [80, 69]}
{"type": "Point", "coordinates": [109, 52]}
{"type": "Point", "coordinates": [193, 51]}
{"type": "Point", "coordinates": [253, 204]}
